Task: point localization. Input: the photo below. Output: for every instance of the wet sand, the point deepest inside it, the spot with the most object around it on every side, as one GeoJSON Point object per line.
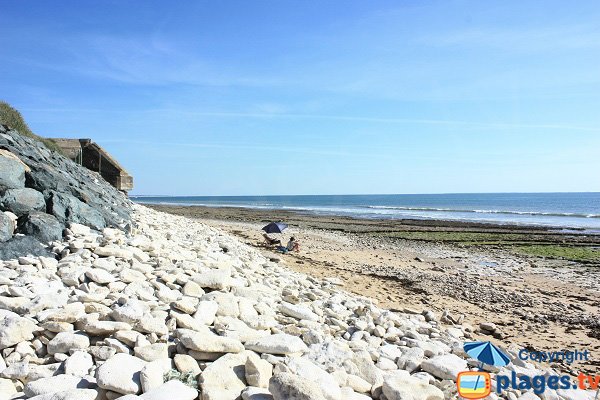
{"type": "Point", "coordinates": [541, 304]}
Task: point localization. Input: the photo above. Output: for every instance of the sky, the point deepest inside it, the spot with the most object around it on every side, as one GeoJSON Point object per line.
{"type": "Point", "coordinates": [316, 97]}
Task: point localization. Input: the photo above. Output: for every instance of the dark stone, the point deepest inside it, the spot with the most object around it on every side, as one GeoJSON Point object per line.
{"type": "Point", "coordinates": [44, 227]}
{"type": "Point", "coordinates": [22, 201]}
{"type": "Point", "coordinates": [12, 172]}
{"type": "Point", "coordinates": [6, 227]}
{"type": "Point", "coordinates": [21, 246]}
{"type": "Point", "coordinates": [51, 172]}
{"type": "Point", "coordinates": [68, 209]}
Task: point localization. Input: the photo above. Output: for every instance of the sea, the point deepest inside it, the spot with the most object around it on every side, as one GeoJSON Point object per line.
{"type": "Point", "coordinates": [562, 210]}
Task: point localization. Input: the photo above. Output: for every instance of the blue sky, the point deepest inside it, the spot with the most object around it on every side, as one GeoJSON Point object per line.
{"type": "Point", "coordinates": [307, 97]}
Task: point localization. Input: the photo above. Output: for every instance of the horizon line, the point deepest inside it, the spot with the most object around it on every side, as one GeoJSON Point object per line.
{"type": "Point", "coordinates": [353, 194]}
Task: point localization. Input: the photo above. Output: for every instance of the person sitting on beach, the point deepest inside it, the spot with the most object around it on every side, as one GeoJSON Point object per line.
{"type": "Point", "coordinates": [270, 241]}
{"type": "Point", "coordinates": [293, 245]}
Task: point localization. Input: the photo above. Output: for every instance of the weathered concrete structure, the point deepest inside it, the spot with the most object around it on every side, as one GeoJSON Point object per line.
{"type": "Point", "coordinates": [89, 154]}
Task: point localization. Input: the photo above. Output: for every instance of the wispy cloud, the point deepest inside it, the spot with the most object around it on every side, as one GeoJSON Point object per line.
{"type": "Point", "coordinates": [314, 151]}
{"type": "Point", "coordinates": [273, 114]}
{"type": "Point", "coordinates": [517, 39]}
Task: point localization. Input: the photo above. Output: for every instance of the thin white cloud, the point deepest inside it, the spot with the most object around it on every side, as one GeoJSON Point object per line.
{"type": "Point", "coordinates": [299, 116]}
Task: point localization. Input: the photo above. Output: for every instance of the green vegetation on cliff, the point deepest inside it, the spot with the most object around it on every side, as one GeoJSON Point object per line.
{"type": "Point", "coordinates": [13, 118]}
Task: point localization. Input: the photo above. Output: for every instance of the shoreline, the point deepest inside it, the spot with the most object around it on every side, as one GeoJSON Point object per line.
{"type": "Point", "coordinates": [536, 303]}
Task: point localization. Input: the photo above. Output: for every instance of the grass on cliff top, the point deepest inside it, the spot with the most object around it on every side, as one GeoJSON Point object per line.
{"type": "Point", "coordinates": [13, 118]}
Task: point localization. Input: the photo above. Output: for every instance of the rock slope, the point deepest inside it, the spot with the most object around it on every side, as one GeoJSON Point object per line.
{"type": "Point", "coordinates": [179, 310]}
{"type": "Point", "coordinates": [41, 192]}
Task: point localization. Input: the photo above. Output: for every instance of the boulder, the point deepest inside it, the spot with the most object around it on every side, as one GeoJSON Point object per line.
{"type": "Point", "coordinates": [286, 386]}
{"type": "Point", "coordinates": [308, 370]}
{"type": "Point", "coordinates": [225, 379]}
{"type": "Point", "coordinates": [22, 201]}
{"type": "Point", "coordinates": [446, 366]}
{"type": "Point", "coordinates": [68, 209]}
{"type": "Point", "coordinates": [63, 342]}
{"type": "Point", "coordinates": [255, 393]}
{"type": "Point", "coordinates": [280, 343]}
{"type": "Point", "coordinates": [121, 374]}
{"type": "Point", "coordinates": [54, 384]}
{"type": "Point", "coordinates": [173, 389]}
{"type": "Point", "coordinates": [42, 226]}
{"type": "Point", "coordinates": [23, 245]}
{"type": "Point", "coordinates": [214, 279]}
{"type": "Point", "coordinates": [12, 170]}
{"type": "Point", "coordinates": [6, 227]}
{"type": "Point", "coordinates": [151, 376]}
{"type": "Point", "coordinates": [78, 364]}
{"type": "Point", "coordinates": [14, 329]}
{"type": "Point", "coordinates": [401, 386]}
{"type": "Point", "coordinates": [186, 364]}
{"type": "Point", "coordinates": [208, 342]}
{"type": "Point", "coordinates": [298, 311]}
{"type": "Point", "coordinates": [258, 372]}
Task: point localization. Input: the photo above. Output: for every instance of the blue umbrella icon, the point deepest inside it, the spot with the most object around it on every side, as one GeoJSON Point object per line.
{"type": "Point", "coordinates": [486, 353]}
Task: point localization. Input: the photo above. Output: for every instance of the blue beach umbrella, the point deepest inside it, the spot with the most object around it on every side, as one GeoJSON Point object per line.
{"type": "Point", "coordinates": [486, 353]}
{"type": "Point", "coordinates": [275, 227]}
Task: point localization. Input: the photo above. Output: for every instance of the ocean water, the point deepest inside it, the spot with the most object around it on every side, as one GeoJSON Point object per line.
{"type": "Point", "coordinates": [566, 210]}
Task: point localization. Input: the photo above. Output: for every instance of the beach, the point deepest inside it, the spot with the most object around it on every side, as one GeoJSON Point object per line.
{"type": "Point", "coordinates": [484, 276]}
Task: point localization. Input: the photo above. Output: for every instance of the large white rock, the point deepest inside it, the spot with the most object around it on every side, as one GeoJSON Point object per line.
{"type": "Point", "coordinates": [446, 366]}
{"type": "Point", "coordinates": [99, 276]}
{"type": "Point", "coordinates": [411, 359]}
{"type": "Point", "coordinates": [401, 386]}
{"type": "Point", "coordinates": [7, 388]}
{"type": "Point", "coordinates": [113, 251]}
{"type": "Point", "coordinates": [255, 393]}
{"type": "Point", "coordinates": [54, 384]}
{"type": "Point", "coordinates": [214, 279]}
{"type": "Point", "coordinates": [186, 364]}
{"type": "Point", "coordinates": [225, 379]}
{"type": "Point", "coordinates": [287, 386]}
{"type": "Point", "coordinates": [63, 342]}
{"type": "Point", "coordinates": [14, 329]}
{"type": "Point", "coordinates": [78, 364]}
{"type": "Point", "coordinates": [151, 376]}
{"type": "Point", "coordinates": [308, 370]}
{"type": "Point", "coordinates": [208, 342]}
{"type": "Point", "coordinates": [121, 374]}
{"type": "Point", "coordinates": [152, 352]}
{"type": "Point", "coordinates": [70, 394]}
{"type": "Point", "coordinates": [171, 390]}
{"type": "Point", "coordinates": [280, 343]}
{"type": "Point", "coordinates": [206, 311]}
{"type": "Point", "coordinates": [297, 311]}
{"type": "Point", "coordinates": [258, 372]}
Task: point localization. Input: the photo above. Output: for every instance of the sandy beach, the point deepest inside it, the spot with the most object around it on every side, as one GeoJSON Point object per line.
{"type": "Point", "coordinates": [538, 303]}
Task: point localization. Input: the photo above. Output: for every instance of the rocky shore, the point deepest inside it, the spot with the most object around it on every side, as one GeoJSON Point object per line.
{"type": "Point", "coordinates": [176, 309]}
{"type": "Point", "coordinates": [41, 192]}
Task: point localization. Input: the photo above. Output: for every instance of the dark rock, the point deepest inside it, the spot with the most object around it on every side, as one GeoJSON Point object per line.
{"type": "Point", "coordinates": [68, 209]}
{"type": "Point", "coordinates": [12, 171]}
{"type": "Point", "coordinates": [51, 172]}
{"type": "Point", "coordinates": [22, 201]}
{"type": "Point", "coordinates": [6, 227]}
{"type": "Point", "coordinates": [44, 227]}
{"type": "Point", "coordinates": [23, 245]}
